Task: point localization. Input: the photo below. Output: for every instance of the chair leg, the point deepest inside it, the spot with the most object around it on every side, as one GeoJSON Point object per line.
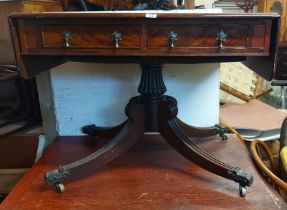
{"type": "Point", "coordinates": [283, 97]}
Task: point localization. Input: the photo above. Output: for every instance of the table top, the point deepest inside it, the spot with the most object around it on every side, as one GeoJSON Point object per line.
{"type": "Point", "coordinates": [150, 176]}
{"type": "Point", "coordinates": [45, 40]}
{"type": "Point", "coordinates": [144, 14]}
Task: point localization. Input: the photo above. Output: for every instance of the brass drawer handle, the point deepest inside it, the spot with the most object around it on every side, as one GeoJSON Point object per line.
{"type": "Point", "coordinates": [116, 36]}
{"type": "Point", "coordinates": [221, 37]}
{"type": "Point", "coordinates": [172, 37]}
{"type": "Point", "coordinates": [67, 37]}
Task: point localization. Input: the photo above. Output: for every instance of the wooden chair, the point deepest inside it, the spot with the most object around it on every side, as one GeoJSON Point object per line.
{"type": "Point", "coordinates": [261, 152]}
{"type": "Point", "coordinates": [276, 174]}
{"type": "Point", "coordinates": [239, 84]}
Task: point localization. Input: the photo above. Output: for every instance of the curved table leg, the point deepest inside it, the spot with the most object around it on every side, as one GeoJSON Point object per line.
{"type": "Point", "coordinates": [131, 132]}
{"type": "Point", "coordinates": [177, 138]}
{"type": "Point", "coordinates": [198, 132]}
{"type": "Point", "coordinates": [95, 131]}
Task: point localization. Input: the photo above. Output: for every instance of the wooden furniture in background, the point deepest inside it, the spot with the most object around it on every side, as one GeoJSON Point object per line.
{"type": "Point", "coordinates": [281, 69]}
{"type": "Point", "coordinates": [6, 8]}
{"type": "Point", "coordinates": [28, 104]}
{"type": "Point", "coordinates": [8, 65]}
{"type": "Point", "coordinates": [42, 5]}
{"type": "Point", "coordinates": [17, 149]}
{"type": "Point", "coordinates": [279, 6]}
{"type": "Point", "coordinates": [150, 176]}
{"type": "Point", "coordinates": [239, 84]}
{"type": "Point", "coordinates": [27, 107]}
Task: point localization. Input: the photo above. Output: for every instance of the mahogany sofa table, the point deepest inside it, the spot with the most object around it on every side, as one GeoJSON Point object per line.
{"type": "Point", "coordinates": [150, 176]}
{"type": "Point", "coordinates": [151, 39]}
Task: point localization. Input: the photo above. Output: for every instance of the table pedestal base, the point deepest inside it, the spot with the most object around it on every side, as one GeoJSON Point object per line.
{"type": "Point", "coordinates": [152, 111]}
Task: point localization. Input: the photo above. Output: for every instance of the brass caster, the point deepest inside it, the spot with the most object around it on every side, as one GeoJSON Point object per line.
{"type": "Point", "coordinates": [60, 187]}
{"type": "Point", "coordinates": [90, 130]}
{"type": "Point", "coordinates": [242, 191]}
{"type": "Point", "coordinates": [221, 131]}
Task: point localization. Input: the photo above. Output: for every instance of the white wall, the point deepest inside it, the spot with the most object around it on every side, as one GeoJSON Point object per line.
{"type": "Point", "coordinates": [85, 93]}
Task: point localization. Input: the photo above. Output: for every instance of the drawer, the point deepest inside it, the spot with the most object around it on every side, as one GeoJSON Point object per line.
{"type": "Point", "coordinates": [146, 38]}
{"type": "Point", "coordinates": [187, 36]}
{"type": "Point", "coordinates": [90, 36]}
{"type": "Point", "coordinates": [239, 36]}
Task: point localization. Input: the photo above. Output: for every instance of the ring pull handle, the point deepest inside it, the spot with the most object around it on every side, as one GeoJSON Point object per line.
{"type": "Point", "coordinates": [172, 37]}
{"type": "Point", "coordinates": [116, 36]}
{"type": "Point", "coordinates": [221, 37]}
{"type": "Point", "coordinates": [67, 37]}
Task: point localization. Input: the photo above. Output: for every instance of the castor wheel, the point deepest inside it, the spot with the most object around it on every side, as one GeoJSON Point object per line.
{"type": "Point", "coordinates": [60, 187]}
{"type": "Point", "coordinates": [242, 191]}
{"type": "Point", "coordinates": [221, 131]}
{"type": "Point", "coordinates": [90, 130]}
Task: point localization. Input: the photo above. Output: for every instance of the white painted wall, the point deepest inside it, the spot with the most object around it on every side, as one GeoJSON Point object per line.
{"type": "Point", "coordinates": [85, 93]}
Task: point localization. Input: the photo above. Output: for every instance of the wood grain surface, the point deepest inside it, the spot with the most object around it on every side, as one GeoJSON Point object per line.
{"type": "Point", "coordinates": [150, 176]}
{"type": "Point", "coordinates": [40, 44]}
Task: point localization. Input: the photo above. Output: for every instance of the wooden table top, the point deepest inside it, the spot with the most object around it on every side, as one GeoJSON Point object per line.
{"type": "Point", "coordinates": [48, 39]}
{"type": "Point", "coordinates": [150, 176]}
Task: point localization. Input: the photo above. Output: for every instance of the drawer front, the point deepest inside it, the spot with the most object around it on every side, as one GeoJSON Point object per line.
{"type": "Point", "coordinates": [90, 36]}
{"type": "Point", "coordinates": [145, 38]}
{"type": "Point", "coordinates": [187, 36]}
{"type": "Point", "coordinates": [238, 36]}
